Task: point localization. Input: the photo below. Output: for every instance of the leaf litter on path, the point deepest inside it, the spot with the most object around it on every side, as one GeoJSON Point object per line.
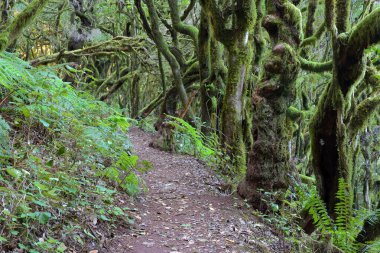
{"type": "Point", "coordinates": [183, 211]}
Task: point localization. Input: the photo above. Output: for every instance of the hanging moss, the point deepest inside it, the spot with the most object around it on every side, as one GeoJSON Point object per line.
{"type": "Point", "coordinates": [294, 114]}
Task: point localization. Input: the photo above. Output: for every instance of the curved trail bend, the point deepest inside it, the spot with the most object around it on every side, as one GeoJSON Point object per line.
{"type": "Point", "coordinates": [183, 211]}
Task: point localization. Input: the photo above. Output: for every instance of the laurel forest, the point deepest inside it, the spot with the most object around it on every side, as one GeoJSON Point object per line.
{"type": "Point", "coordinates": [267, 111]}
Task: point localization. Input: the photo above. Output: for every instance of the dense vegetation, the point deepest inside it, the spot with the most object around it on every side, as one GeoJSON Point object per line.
{"type": "Point", "coordinates": [281, 98]}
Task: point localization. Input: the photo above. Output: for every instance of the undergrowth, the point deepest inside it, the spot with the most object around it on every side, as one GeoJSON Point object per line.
{"type": "Point", "coordinates": [331, 235]}
{"type": "Point", "coordinates": [64, 157]}
{"type": "Point", "coordinates": [189, 140]}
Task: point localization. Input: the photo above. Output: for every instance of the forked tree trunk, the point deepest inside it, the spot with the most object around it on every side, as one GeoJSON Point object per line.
{"type": "Point", "coordinates": [236, 41]}
{"type": "Point", "coordinates": [335, 125]}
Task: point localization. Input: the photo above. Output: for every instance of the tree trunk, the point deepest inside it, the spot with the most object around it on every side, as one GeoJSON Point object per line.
{"type": "Point", "coordinates": [236, 41]}
{"type": "Point", "coordinates": [335, 125]}
{"type": "Point", "coordinates": [268, 162]}
{"type": "Point", "coordinates": [204, 73]}
{"type": "Point", "coordinates": [239, 58]}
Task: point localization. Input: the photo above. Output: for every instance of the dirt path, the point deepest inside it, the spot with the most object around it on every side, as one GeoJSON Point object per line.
{"type": "Point", "coordinates": [183, 211]}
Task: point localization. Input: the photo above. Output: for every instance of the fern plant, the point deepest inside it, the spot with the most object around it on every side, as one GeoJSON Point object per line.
{"type": "Point", "coordinates": [69, 152]}
{"type": "Point", "coordinates": [196, 138]}
{"type": "Point", "coordinates": [348, 222]}
{"type": "Point", "coordinates": [4, 140]}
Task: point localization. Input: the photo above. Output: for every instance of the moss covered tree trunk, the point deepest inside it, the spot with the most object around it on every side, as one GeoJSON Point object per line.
{"type": "Point", "coordinates": [154, 32]}
{"type": "Point", "coordinates": [268, 161]}
{"type": "Point", "coordinates": [239, 58]}
{"type": "Point", "coordinates": [204, 72]}
{"type": "Point", "coordinates": [338, 118]}
{"type": "Point", "coordinates": [236, 41]}
{"type": "Point", "coordinates": [134, 63]}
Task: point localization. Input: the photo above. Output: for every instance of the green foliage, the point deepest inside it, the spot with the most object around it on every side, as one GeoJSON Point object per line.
{"type": "Point", "coordinates": [70, 154]}
{"type": "Point", "coordinates": [348, 222]}
{"type": "Point", "coordinates": [4, 140]}
{"type": "Point", "coordinates": [187, 133]}
{"type": "Point", "coordinates": [190, 140]}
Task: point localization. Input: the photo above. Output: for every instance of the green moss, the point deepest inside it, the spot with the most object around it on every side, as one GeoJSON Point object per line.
{"type": "Point", "coordinates": [25, 18]}
{"type": "Point", "coordinates": [3, 41]}
{"type": "Point", "coordinates": [363, 113]}
{"type": "Point", "coordinates": [311, 40]}
{"type": "Point", "coordinates": [315, 66]}
{"type": "Point", "coordinates": [294, 114]}
{"type": "Point", "coordinates": [21, 21]}
{"type": "Point", "coordinates": [365, 33]}
{"type": "Point", "coordinates": [343, 8]}
{"type": "Point", "coordinates": [294, 16]}
{"type": "Point", "coordinates": [181, 27]}
{"type": "Point", "coordinates": [330, 14]}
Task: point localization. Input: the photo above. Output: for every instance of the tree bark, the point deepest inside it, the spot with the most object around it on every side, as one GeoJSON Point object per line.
{"type": "Point", "coordinates": [335, 126]}
{"type": "Point", "coordinates": [269, 160]}
{"type": "Point", "coordinates": [236, 41]}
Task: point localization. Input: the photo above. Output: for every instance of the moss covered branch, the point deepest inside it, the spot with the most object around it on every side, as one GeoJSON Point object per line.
{"type": "Point", "coordinates": [311, 8]}
{"type": "Point", "coordinates": [313, 38]}
{"type": "Point", "coordinates": [315, 66]}
{"type": "Point", "coordinates": [330, 14]}
{"type": "Point", "coordinates": [364, 34]}
{"type": "Point", "coordinates": [164, 49]}
{"type": "Point", "coordinates": [189, 8]}
{"type": "Point", "coordinates": [343, 8]}
{"type": "Point", "coordinates": [143, 18]}
{"type": "Point", "coordinates": [13, 31]}
{"type": "Point", "coordinates": [179, 26]}
{"type": "Point", "coordinates": [110, 79]}
{"type": "Point", "coordinates": [363, 113]}
{"type": "Point", "coordinates": [116, 45]}
{"type": "Point", "coordinates": [217, 21]}
{"type": "Point", "coordinates": [151, 106]}
{"type": "Point", "coordinates": [117, 85]}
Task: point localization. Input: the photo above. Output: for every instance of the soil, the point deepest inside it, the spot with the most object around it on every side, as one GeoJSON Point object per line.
{"type": "Point", "coordinates": [186, 210]}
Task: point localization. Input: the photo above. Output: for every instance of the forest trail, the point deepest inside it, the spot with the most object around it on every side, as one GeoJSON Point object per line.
{"type": "Point", "coordinates": [183, 211]}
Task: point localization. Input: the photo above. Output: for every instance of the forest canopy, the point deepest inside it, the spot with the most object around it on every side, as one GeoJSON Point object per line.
{"type": "Point", "coordinates": [281, 98]}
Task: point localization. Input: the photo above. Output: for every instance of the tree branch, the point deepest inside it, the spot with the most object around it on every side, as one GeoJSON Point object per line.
{"type": "Point", "coordinates": [181, 27]}
{"type": "Point", "coordinates": [343, 8]}
{"type": "Point", "coordinates": [312, 39]}
{"type": "Point", "coordinates": [364, 34]}
{"type": "Point", "coordinates": [144, 20]}
{"type": "Point", "coordinates": [21, 21]}
{"type": "Point", "coordinates": [363, 113]}
{"type": "Point", "coordinates": [117, 85]}
{"type": "Point", "coordinates": [188, 10]}
{"type": "Point", "coordinates": [115, 45]}
{"type": "Point", "coordinates": [311, 8]}
{"type": "Point", "coordinates": [108, 81]}
{"type": "Point", "coordinates": [315, 66]}
{"type": "Point", "coordinates": [217, 22]}
{"type": "Point", "coordinates": [164, 49]}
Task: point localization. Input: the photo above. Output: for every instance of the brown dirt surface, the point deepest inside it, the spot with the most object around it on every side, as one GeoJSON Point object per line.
{"type": "Point", "coordinates": [184, 210]}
